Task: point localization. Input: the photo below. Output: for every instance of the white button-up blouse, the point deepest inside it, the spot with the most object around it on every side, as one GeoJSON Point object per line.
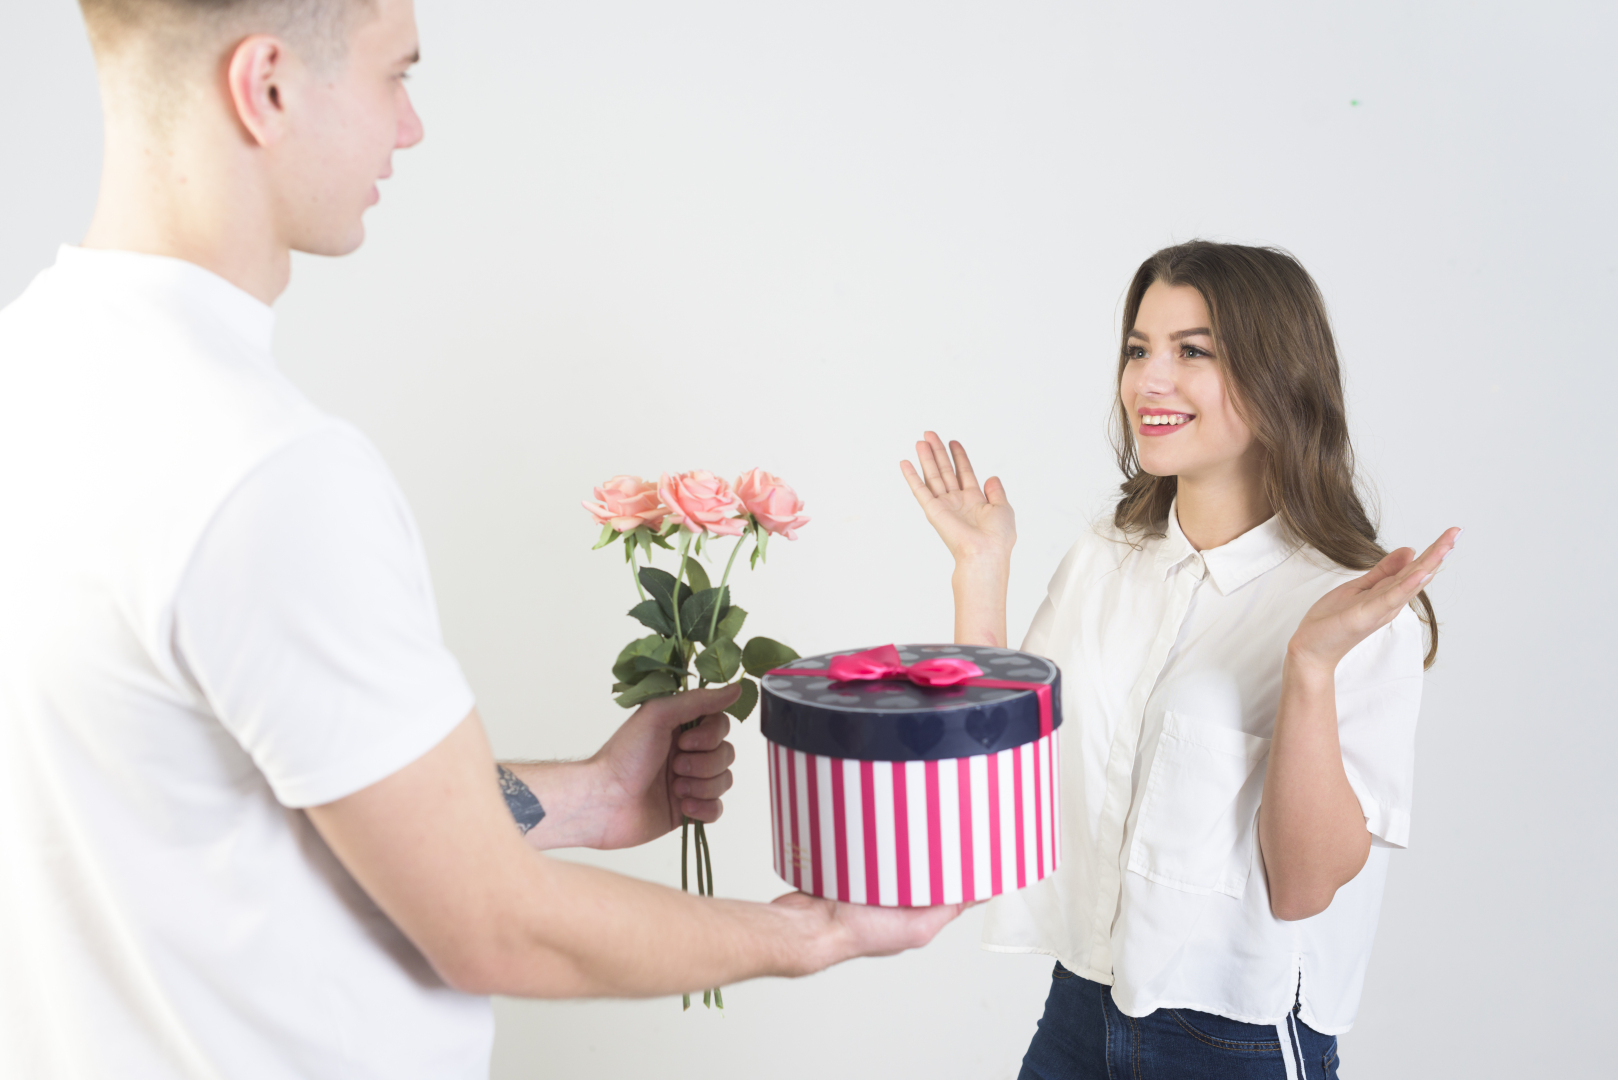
{"type": "Point", "coordinates": [1171, 676]}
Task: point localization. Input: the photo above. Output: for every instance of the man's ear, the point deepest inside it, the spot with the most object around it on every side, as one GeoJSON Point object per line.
{"type": "Point", "coordinates": [257, 68]}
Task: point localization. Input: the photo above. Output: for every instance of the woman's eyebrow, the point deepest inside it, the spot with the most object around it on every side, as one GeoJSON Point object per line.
{"type": "Point", "coordinates": [1180, 335]}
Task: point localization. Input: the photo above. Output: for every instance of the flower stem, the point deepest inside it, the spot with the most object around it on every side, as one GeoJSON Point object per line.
{"type": "Point", "coordinates": [674, 600]}
{"type": "Point", "coordinates": [713, 623]}
{"type": "Point", "coordinates": [634, 567]}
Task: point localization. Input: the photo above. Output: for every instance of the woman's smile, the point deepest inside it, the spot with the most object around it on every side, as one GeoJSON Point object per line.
{"type": "Point", "coordinates": [1163, 421]}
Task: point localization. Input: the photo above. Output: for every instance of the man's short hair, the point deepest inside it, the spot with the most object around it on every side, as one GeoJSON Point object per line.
{"type": "Point", "coordinates": [172, 41]}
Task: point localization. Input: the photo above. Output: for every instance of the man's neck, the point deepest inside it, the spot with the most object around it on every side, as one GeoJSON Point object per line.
{"type": "Point", "coordinates": [164, 196]}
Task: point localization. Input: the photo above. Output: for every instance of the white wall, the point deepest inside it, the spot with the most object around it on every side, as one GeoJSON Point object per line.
{"type": "Point", "coordinates": [645, 236]}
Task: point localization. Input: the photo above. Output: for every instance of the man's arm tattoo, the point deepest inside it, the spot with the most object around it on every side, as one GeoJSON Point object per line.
{"type": "Point", "coordinates": [522, 803]}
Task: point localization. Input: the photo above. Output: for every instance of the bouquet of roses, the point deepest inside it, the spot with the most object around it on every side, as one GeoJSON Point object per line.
{"type": "Point", "coordinates": [693, 624]}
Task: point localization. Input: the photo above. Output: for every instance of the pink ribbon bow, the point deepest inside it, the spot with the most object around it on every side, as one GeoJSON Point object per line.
{"type": "Point", "coordinates": [883, 663]}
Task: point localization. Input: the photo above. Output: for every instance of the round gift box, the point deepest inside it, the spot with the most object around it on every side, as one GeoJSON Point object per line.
{"type": "Point", "coordinates": [895, 794]}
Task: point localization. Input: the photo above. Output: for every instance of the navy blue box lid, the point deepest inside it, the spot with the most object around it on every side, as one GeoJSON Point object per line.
{"type": "Point", "coordinates": [896, 720]}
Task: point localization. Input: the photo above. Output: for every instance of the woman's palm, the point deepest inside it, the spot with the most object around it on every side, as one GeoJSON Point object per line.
{"type": "Point", "coordinates": [971, 520]}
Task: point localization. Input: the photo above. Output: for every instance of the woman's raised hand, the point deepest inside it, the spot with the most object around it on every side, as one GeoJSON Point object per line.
{"type": "Point", "coordinates": [975, 523]}
{"type": "Point", "coordinates": [1356, 609]}
{"type": "Point", "coordinates": [979, 529]}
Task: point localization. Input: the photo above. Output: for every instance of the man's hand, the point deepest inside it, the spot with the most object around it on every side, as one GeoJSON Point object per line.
{"type": "Point", "coordinates": [651, 773]}
{"type": "Point", "coordinates": [859, 930]}
{"type": "Point", "coordinates": [637, 786]}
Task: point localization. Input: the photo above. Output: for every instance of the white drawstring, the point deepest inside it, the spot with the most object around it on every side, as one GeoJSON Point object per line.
{"type": "Point", "coordinates": [1291, 1053]}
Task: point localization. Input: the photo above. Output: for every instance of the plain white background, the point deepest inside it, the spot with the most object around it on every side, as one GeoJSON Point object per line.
{"type": "Point", "coordinates": [644, 237]}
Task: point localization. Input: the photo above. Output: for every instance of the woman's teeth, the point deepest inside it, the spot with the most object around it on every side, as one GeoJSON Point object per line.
{"type": "Point", "coordinates": [1172, 419]}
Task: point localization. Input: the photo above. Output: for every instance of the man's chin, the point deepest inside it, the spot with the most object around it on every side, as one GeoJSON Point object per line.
{"type": "Point", "coordinates": [333, 243]}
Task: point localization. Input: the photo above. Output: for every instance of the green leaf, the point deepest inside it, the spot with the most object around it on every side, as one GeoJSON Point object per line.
{"type": "Point", "coordinates": [651, 616]}
{"type": "Point", "coordinates": [660, 584]}
{"type": "Point", "coordinates": [696, 577]}
{"type": "Point", "coordinates": [657, 684]}
{"type": "Point", "coordinates": [697, 613]}
{"type": "Point", "coordinates": [653, 645]}
{"type": "Point", "coordinates": [608, 535]}
{"type": "Point", "coordinates": [657, 538]}
{"type": "Point", "coordinates": [763, 655]}
{"type": "Point", "coordinates": [651, 663]}
{"type": "Point", "coordinates": [719, 662]}
{"type": "Point", "coordinates": [730, 624]}
{"type": "Point", "coordinates": [743, 705]}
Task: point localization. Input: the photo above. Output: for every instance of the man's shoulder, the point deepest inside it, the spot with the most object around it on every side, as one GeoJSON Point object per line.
{"type": "Point", "coordinates": [138, 385]}
{"type": "Point", "coordinates": [121, 418]}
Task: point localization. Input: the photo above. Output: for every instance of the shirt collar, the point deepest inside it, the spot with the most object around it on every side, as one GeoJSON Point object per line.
{"type": "Point", "coordinates": [183, 288]}
{"type": "Point", "coordinates": [1232, 565]}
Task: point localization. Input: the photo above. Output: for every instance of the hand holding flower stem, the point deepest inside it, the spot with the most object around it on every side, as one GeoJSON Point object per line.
{"type": "Point", "coordinates": [683, 610]}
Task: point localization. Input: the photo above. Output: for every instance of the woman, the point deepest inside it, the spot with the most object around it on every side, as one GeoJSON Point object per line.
{"type": "Point", "coordinates": [1240, 694]}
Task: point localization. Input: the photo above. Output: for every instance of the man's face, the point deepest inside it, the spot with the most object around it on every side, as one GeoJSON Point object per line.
{"type": "Point", "coordinates": [344, 122]}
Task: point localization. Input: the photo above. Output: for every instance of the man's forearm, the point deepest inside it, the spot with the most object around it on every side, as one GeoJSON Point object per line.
{"type": "Point", "coordinates": [435, 847]}
{"type": "Point", "coordinates": [566, 793]}
{"type": "Point", "coordinates": [585, 932]}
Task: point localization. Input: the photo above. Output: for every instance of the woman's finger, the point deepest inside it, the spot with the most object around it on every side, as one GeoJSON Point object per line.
{"type": "Point", "coordinates": [918, 486]}
{"type": "Point", "coordinates": [995, 492]}
{"type": "Point", "coordinates": [1387, 568]}
{"type": "Point", "coordinates": [1417, 574]}
{"type": "Point", "coordinates": [1420, 570]}
{"type": "Point", "coordinates": [963, 467]}
{"type": "Point", "coordinates": [946, 470]}
{"type": "Point", "coordinates": [931, 469]}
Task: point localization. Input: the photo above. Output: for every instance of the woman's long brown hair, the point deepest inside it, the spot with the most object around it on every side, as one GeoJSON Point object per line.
{"type": "Point", "coordinates": [1274, 342]}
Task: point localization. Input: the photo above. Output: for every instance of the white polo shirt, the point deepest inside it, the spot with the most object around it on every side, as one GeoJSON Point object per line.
{"type": "Point", "coordinates": [1171, 676]}
{"type": "Point", "coordinates": [214, 611]}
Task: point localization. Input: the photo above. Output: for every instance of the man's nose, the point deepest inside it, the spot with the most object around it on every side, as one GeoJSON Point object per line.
{"type": "Point", "coordinates": [411, 130]}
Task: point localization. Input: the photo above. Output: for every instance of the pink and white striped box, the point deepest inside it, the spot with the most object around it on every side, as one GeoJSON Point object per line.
{"type": "Point", "coordinates": [889, 792]}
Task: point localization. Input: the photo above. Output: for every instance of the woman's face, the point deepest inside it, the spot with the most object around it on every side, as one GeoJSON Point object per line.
{"type": "Point", "coordinates": [1173, 390]}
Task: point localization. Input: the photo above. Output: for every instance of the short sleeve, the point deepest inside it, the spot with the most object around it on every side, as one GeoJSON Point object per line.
{"type": "Point", "coordinates": [1378, 698]}
{"type": "Point", "coordinates": [306, 618]}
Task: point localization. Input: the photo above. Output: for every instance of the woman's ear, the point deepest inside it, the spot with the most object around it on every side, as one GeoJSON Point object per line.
{"type": "Point", "coordinates": [256, 69]}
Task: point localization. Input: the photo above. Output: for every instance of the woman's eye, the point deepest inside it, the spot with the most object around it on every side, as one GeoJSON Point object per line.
{"type": "Point", "coordinates": [1192, 352]}
{"type": "Point", "coordinates": [1135, 352]}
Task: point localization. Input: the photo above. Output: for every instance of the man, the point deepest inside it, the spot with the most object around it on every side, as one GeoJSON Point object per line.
{"type": "Point", "coordinates": [250, 825]}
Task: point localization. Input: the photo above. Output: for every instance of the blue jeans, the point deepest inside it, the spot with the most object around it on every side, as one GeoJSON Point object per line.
{"type": "Point", "coordinates": [1083, 1036]}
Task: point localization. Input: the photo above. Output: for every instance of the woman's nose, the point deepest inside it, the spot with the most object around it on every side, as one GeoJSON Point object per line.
{"type": "Point", "coordinates": [1157, 375]}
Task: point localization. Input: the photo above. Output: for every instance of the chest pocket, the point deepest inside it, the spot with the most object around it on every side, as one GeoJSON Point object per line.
{"type": "Point", "coordinates": [1199, 816]}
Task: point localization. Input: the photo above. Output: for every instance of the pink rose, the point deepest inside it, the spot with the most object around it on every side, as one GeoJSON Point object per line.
{"type": "Point", "coordinates": [627, 502]}
{"type": "Point", "coordinates": [776, 506]}
{"type": "Point", "coordinates": [702, 503]}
